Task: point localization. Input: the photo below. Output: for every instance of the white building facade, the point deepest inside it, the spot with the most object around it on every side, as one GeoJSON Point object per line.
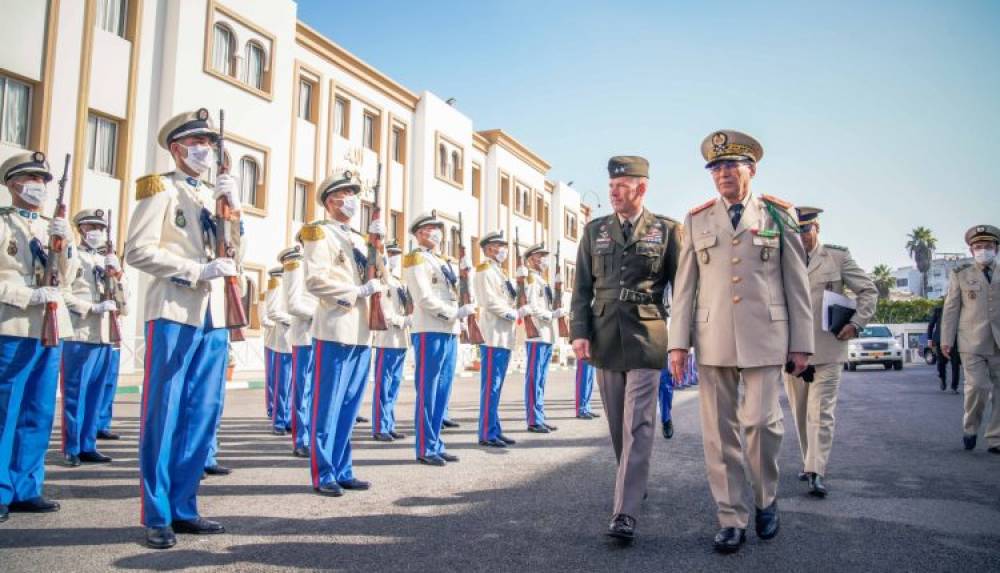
{"type": "Point", "coordinates": [909, 279]}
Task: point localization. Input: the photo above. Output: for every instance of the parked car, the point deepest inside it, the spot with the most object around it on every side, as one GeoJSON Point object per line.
{"type": "Point", "coordinates": [875, 344]}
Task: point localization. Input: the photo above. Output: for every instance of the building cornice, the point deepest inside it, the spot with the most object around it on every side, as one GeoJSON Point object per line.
{"type": "Point", "coordinates": [504, 140]}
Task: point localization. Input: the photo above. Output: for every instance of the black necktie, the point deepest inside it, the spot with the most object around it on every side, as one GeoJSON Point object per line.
{"type": "Point", "coordinates": [627, 229]}
{"type": "Point", "coordinates": [735, 212]}
{"type": "Point", "coordinates": [988, 271]}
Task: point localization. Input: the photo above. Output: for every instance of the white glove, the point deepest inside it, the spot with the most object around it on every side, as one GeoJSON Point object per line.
{"type": "Point", "coordinates": [397, 321]}
{"type": "Point", "coordinates": [465, 264]}
{"type": "Point", "coordinates": [559, 313]}
{"type": "Point", "coordinates": [59, 228]}
{"type": "Point", "coordinates": [104, 306]}
{"type": "Point", "coordinates": [371, 287]}
{"type": "Point", "coordinates": [408, 322]}
{"type": "Point", "coordinates": [218, 268]}
{"type": "Point", "coordinates": [545, 316]}
{"type": "Point", "coordinates": [466, 310]}
{"type": "Point", "coordinates": [521, 272]}
{"type": "Point", "coordinates": [511, 315]}
{"type": "Point", "coordinates": [111, 262]}
{"type": "Point", "coordinates": [524, 311]}
{"type": "Point", "coordinates": [376, 227]}
{"type": "Point", "coordinates": [225, 185]}
{"type": "Point", "coordinates": [42, 295]}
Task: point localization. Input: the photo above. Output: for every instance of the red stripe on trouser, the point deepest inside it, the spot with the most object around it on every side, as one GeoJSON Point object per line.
{"type": "Point", "coordinates": [318, 351]}
{"type": "Point", "coordinates": [421, 438]}
{"type": "Point", "coordinates": [377, 398]}
{"type": "Point", "coordinates": [488, 390]}
{"type": "Point", "coordinates": [142, 417]}
{"type": "Point", "coordinates": [531, 383]}
{"type": "Point", "coordinates": [274, 388]}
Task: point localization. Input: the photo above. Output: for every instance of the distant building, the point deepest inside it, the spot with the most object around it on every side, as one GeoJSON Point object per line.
{"type": "Point", "coordinates": [908, 279]}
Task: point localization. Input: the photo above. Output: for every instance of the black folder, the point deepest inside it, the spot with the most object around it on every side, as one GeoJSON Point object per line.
{"type": "Point", "coordinates": [838, 316]}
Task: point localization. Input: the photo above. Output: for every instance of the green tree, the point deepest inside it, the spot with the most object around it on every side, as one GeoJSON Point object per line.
{"type": "Point", "coordinates": [884, 280]}
{"type": "Point", "coordinates": [921, 245]}
{"type": "Point", "coordinates": [900, 311]}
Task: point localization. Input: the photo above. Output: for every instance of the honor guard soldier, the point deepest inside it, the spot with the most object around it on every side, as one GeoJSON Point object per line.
{"type": "Point", "coordinates": [29, 371]}
{"type": "Point", "coordinates": [390, 350]}
{"type": "Point", "coordinates": [742, 300]}
{"type": "Point", "coordinates": [830, 268]}
{"type": "Point", "coordinates": [538, 349]}
{"type": "Point", "coordinates": [90, 360]}
{"type": "Point", "coordinates": [436, 320]}
{"type": "Point", "coordinates": [584, 390]}
{"type": "Point", "coordinates": [497, 322]}
{"type": "Point", "coordinates": [625, 262]}
{"type": "Point", "coordinates": [301, 305]}
{"type": "Point", "coordinates": [335, 275]}
{"type": "Point", "coordinates": [278, 352]}
{"type": "Point", "coordinates": [971, 317]}
{"type": "Point", "coordinates": [171, 238]}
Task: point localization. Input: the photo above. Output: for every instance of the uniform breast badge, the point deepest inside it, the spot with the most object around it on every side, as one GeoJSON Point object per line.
{"type": "Point", "coordinates": [179, 219]}
{"type": "Point", "coordinates": [765, 254]}
{"type": "Point", "coordinates": [12, 248]}
{"type": "Point", "coordinates": [703, 256]}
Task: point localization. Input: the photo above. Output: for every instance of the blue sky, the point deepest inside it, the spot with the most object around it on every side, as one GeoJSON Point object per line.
{"type": "Point", "coordinates": [887, 115]}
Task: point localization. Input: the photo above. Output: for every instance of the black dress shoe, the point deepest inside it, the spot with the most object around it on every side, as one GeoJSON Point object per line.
{"type": "Point", "coordinates": [538, 429]}
{"type": "Point", "coordinates": [448, 457]}
{"type": "Point", "coordinates": [4, 513]}
{"type": "Point", "coordinates": [622, 527]}
{"type": "Point", "coordinates": [493, 443]}
{"type": "Point", "coordinates": [550, 427]}
{"type": "Point", "coordinates": [431, 461]}
{"type": "Point", "coordinates": [450, 424]}
{"type": "Point", "coordinates": [360, 420]}
{"type": "Point", "coordinates": [994, 450]}
{"type": "Point", "coordinates": [816, 486]}
{"type": "Point", "coordinates": [218, 470]}
{"type": "Point", "coordinates": [72, 461]}
{"type": "Point", "coordinates": [278, 431]}
{"type": "Point", "coordinates": [969, 440]}
{"type": "Point", "coordinates": [330, 490]}
{"type": "Point", "coordinates": [397, 435]}
{"type": "Point", "coordinates": [94, 458]}
{"type": "Point", "coordinates": [160, 537]}
{"type": "Point", "coordinates": [107, 435]}
{"type": "Point", "coordinates": [382, 437]}
{"type": "Point", "coordinates": [197, 526]}
{"type": "Point", "coordinates": [766, 521]}
{"type": "Point", "coordinates": [34, 505]}
{"type": "Point", "coordinates": [505, 439]}
{"type": "Point", "coordinates": [729, 539]}
{"type": "Point", "coordinates": [355, 484]}
{"type": "Point", "coordinates": [301, 452]}
{"type": "Point", "coordinates": [584, 416]}
{"type": "Point", "coordinates": [804, 476]}
{"type": "Point", "coordinates": [594, 415]}
{"type": "Point", "coordinates": [668, 429]}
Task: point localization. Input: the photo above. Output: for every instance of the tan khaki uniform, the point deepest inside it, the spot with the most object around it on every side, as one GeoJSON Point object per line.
{"type": "Point", "coordinates": [299, 302]}
{"type": "Point", "coordinates": [497, 315]}
{"type": "Point", "coordinates": [394, 310]}
{"type": "Point", "coordinates": [741, 298]}
{"type": "Point", "coordinates": [333, 277]}
{"type": "Point", "coordinates": [84, 291]}
{"type": "Point", "coordinates": [275, 308]}
{"type": "Point", "coordinates": [830, 268]}
{"type": "Point", "coordinates": [972, 316]}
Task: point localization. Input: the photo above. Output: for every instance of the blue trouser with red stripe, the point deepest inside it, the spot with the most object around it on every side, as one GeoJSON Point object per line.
{"type": "Point", "coordinates": [268, 382]}
{"type": "Point", "coordinates": [388, 376]}
{"type": "Point", "coordinates": [492, 370]}
{"type": "Point", "coordinates": [434, 354]}
{"type": "Point", "coordinates": [213, 444]}
{"type": "Point", "coordinates": [182, 392]}
{"type": "Point", "coordinates": [29, 375]}
{"type": "Point", "coordinates": [539, 354]}
{"type": "Point", "coordinates": [85, 370]}
{"type": "Point", "coordinates": [281, 388]}
{"type": "Point", "coordinates": [302, 391]}
{"type": "Point", "coordinates": [341, 372]}
{"type": "Point", "coordinates": [108, 395]}
{"type": "Point", "coordinates": [666, 394]}
{"type": "Point", "coordinates": [584, 386]}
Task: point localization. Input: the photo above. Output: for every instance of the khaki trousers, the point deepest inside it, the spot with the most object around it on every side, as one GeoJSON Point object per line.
{"type": "Point", "coordinates": [813, 408]}
{"type": "Point", "coordinates": [630, 407]}
{"type": "Point", "coordinates": [982, 385]}
{"type": "Point", "coordinates": [723, 414]}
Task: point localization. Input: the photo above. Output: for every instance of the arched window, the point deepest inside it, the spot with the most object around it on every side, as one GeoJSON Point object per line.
{"type": "Point", "coordinates": [255, 65]}
{"type": "Point", "coordinates": [442, 160]}
{"type": "Point", "coordinates": [249, 175]}
{"type": "Point", "coordinates": [222, 50]}
{"type": "Point", "coordinates": [456, 167]}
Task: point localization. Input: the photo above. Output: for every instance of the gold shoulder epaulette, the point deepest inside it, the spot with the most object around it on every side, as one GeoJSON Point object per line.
{"type": "Point", "coordinates": [702, 207]}
{"type": "Point", "coordinates": [290, 266]}
{"type": "Point", "coordinates": [481, 267]}
{"type": "Point", "coordinates": [412, 259]}
{"type": "Point", "coordinates": [272, 283]}
{"type": "Point", "coordinates": [529, 279]}
{"type": "Point", "coordinates": [147, 186]}
{"type": "Point", "coordinates": [312, 233]}
{"type": "Point", "coordinates": [776, 201]}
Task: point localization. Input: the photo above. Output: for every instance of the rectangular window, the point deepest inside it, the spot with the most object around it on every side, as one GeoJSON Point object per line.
{"type": "Point", "coordinates": [539, 210]}
{"type": "Point", "coordinates": [249, 180]}
{"type": "Point", "coordinates": [254, 65]}
{"type": "Point", "coordinates": [102, 137]}
{"type": "Point", "coordinates": [341, 125]}
{"type": "Point", "coordinates": [397, 229]}
{"type": "Point", "coordinates": [299, 201]}
{"type": "Point", "coordinates": [368, 131]}
{"type": "Point", "coordinates": [505, 190]}
{"type": "Point", "coordinates": [111, 16]}
{"type": "Point", "coordinates": [398, 145]}
{"type": "Point", "coordinates": [476, 181]}
{"type": "Point", "coordinates": [222, 50]}
{"type": "Point", "coordinates": [15, 103]}
{"type": "Point", "coordinates": [366, 214]}
{"type": "Point", "coordinates": [306, 100]}
{"type": "Point", "coordinates": [570, 225]}
{"type": "Point", "coordinates": [522, 200]}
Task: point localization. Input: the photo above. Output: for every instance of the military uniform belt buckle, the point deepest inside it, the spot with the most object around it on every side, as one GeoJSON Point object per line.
{"type": "Point", "coordinates": [628, 295]}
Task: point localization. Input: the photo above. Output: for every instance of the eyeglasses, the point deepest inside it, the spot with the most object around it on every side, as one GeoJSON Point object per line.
{"type": "Point", "coordinates": [726, 164]}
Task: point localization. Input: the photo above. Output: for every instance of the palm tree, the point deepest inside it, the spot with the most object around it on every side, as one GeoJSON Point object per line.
{"type": "Point", "coordinates": [921, 246]}
{"type": "Point", "coordinates": [883, 279]}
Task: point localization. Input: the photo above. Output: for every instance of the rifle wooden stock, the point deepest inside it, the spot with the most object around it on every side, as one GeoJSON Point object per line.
{"type": "Point", "coordinates": [376, 316]}
{"type": "Point", "coordinates": [110, 288]}
{"type": "Point", "coordinates": [236, 316]}
{"type": "Point", "coordinates": [530, 330]}
{"type": "Point", "coordinates": [50, 317]}
{"type": "Point", "coordinates": [472, 333]}
{"type": "Point", "coordinates": [562, 324]}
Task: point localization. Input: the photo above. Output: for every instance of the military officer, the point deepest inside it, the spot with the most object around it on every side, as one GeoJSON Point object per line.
{"type": "Point", "coordinates": [624, 263]}
{"type": "Point", "coordinates": [971, 318]}
{"type": "Point", "coordinates": [390, 350]}
{"type": "Point", "coordinates": [742, 300]}
{"type": "Point", "coordinates": [301, 305]}
{"type": "Point", "coordinates": [90, 361]}
{"type": "Point", "coordinates": [538, 350]}
{"type": "Point", "coordinates": [497, 322]}
{"type": "Point", "coordinates": [29, 371]}
{"type": "Point", "coordinates": [436, 320]}
{"type": "Point", "coordinates": [280, 349]}
{"type": "Point", "coordinates": [171, 238]}
{"type": "Point", "coordinates": [830, 268]}
{"type": "Point", "coordinates": [335, 275]}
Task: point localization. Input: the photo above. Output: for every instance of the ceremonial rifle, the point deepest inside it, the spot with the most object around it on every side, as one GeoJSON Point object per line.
{"type": "Point", "coordinates": [236, 316]}
{"type": "Point", "coordinates": [376, 268]}
{"type": "Point", "coordinates": [110, 288]}
{"type": "Point", "coordinates": [530, 330]}
{"type": "Point", "coordinates": [51, 278]}
{"type": "Point", "coordinates": [472, 334]}
{"type": "Point", "coordinates": [563, 325]}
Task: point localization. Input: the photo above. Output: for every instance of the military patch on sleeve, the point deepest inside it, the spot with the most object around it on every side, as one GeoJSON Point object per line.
{"type": "Point", "coordinates": [835, 247]}
{"type": "Point", "coordinates": [147, 186]}
{"type": "Point", "coordinates": [412, 259]}
{"type": "Point", "coordinates": [312, 233]}
{"type": "Point", "coordinates": [482, 267]}
{"type": "Point", "coordinates": [776, 201]}
{"type": "Point", "coordinates": [702, 207]}
{"type": "Point", "coordinates": [290, 266]}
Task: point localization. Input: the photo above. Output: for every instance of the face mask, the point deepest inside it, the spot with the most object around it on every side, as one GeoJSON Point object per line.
{"type": "Point", "coordinates": [95, 238]}
{"type": "Point", "coordinates": [434, 236]}
{"type": "Point", "coordinates": [349, 206]}
{"type": "Point", "coordinates": [199, 158]}
{"type": "Point", "coordinates": [501, 255]}
{"type": "Point", "coordinates": [394, 262]}
{"type": "Point", "coordinates": [543, 264]}
{"type": "Point", "coordinates": [33, 193]}
{"type": "Point", "coordinates": [984, 256]}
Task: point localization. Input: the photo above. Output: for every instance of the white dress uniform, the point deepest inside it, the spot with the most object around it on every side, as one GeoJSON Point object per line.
{"type": "Point", "coordinates": [278, 354]}
{"type": "Point", "coordinates": [538, 350]}
{"type": "Point", "coordinates": [301, 305]}
{"type": "Point", "coordinates": [390, 352]}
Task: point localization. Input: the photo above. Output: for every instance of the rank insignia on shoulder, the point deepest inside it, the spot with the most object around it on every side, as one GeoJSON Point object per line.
{"type": "Point", "coordinates": [147, 186]}
{"type": "Point", "coordinates": [482, 267]}
{"type": "Point", "coordinates": [312, 233]}
{"type": "Point", "coordinates": [835, 247]}
{"type": "Point", "coordinates": [412, 259]}
{"type": "Point", "coordinates": [702, 207]}
{"type": "Point", "coordinates": [776, 201]}
{"type": "Point", "coordinates": [290, 266]}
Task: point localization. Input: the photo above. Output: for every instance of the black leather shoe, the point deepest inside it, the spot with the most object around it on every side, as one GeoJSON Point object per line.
{"type": "Point", "coordinates": [668, 429]}
{"type": "Point", "coordinates": [278, 431]}
{"type": "Point", "coordinates": [218, 470]}
{"type": "Point", "coordinates": [360, 420]}
{"type": "Point", "coordinates": [622, 527]}
{"type": "Point", "coordinates": [816, 486]}
{"type": "Point", "coordinates": [493, 443]}
{"type": "Point", "coordinates": [994, 450]}
{"type": "Point", "coordinates": [160, 537]}
{"type": "Point", "coordinates": [34, 505]}
{"type": "Point", "coordinates": [766, 521]}
{"type": "Point", "coordinates": [538, 429]}
{"type": "Point", "coordinates": [301, 452]}
{"type": "Point", "coordinates": [803, 476]}
{"type": "Point", "coordinates": [508, 441]}
{"type": "Point", "coordinates": [450, 424]}
{"type": "Point", "coordinates": [330, 490]}
{"type": "Point", "coordinates": [594, 415]}
{"type": "Point", "coordinates": [107, 435]}
{"type": "Point", "coordinates": [448, 457]}
{"type": "Point", "coordinates": [550, 427]}
{"type": "Point", "coordinates": [397, 435]}
{"type": "Point", "coordinates": [969, 440]}
{"type": "Point", "coordinates": [584, 416]}
{"type": "Point", "coordinates": [382, 437]}
{"type": "Point", "coordinates": [431, 461]}
{"type": "Point", "coordinates": [4, 513]}
{"type": "Point", "coordinates": [198, 526]}
{"type": "Point", "coordinates": [355, 484]}
{"type": "Point", "coordinates": [729, 539]}
{"type": "Point", "coordinates": [72, 461]}
{"type": "Point", "coordinates": [94, 458]}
